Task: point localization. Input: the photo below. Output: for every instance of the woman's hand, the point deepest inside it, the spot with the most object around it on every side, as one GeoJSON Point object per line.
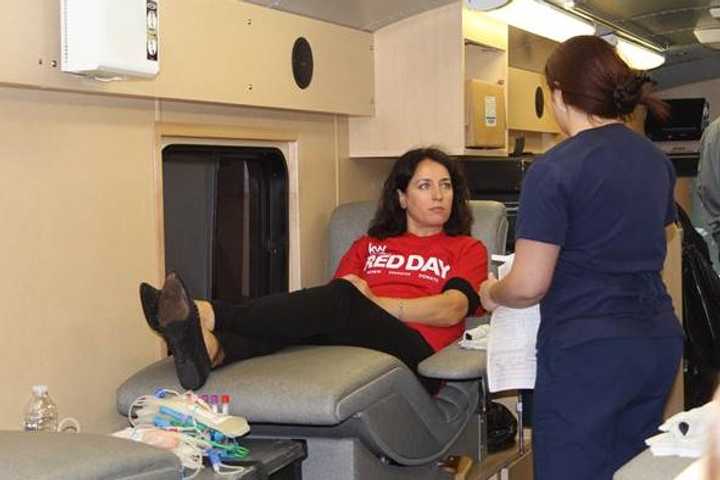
{"type": "Point", "coordinates": [361, 285]}
{"type": "Point", "coordinates": [484, 293]}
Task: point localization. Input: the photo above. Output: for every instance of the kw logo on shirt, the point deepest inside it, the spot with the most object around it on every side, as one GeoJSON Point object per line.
{"type": "Point", "coordinates": [377, 258]}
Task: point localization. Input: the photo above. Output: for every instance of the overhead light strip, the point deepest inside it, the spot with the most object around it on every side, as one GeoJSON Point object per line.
{"type": "Point", "coordinates": [549, 21]}
{"type": "Point", "coordinates": [616, 29]}
{"type": "Point", "coordinates": [637, 56]}
{"type": "Point", "coordinates": [543, 19]}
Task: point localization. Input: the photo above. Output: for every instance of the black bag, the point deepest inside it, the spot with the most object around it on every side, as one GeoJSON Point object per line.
{"type": "Point", "coordinates": [701, 315]}
{"type": "Point", "coordinates": [501, 427]}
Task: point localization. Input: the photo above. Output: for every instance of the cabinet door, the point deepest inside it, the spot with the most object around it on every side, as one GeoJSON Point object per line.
{"type": "Point", "coordinates": [529, 106]}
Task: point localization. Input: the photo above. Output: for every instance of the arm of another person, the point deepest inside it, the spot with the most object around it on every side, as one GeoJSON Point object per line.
{"type": "Point", "coordinates": [708, 178]}
{"type": "Point", "coordinates": [458, 299]}
{"type": "Point", "coordinates": [528, 280]}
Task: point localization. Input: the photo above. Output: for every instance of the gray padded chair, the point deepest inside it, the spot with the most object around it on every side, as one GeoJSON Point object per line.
{"type": "Point", "coordinates": [362, 412]}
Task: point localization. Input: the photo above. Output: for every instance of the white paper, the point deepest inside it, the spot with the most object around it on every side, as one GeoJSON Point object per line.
{"type": "Point", "coordinates": [490, 111]}
{"type": "Point", "coordinates": [511, 352]}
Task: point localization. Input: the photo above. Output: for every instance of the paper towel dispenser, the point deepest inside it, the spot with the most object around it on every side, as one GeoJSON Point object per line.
{"type": "Point", "coordinates": [108, 38]}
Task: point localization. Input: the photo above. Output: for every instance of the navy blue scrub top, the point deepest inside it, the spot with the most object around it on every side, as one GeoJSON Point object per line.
{"type": "Point", "coordinates": [604, 196]}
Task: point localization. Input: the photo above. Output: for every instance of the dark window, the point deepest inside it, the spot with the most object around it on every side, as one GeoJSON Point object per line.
{"type": "Point", "coordinates": [226, 220]}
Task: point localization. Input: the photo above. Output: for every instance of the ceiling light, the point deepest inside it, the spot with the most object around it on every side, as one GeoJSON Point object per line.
{"type": "Point", "coordinates": [708, 36]}
{"type": "Point", "coordinates": [543, 19]}
{"type": "Point", "coordinates": [637, 56]}
{"type": "Point", "coordinates": [715, 12]}
{"type": "Point", "coordinates": [484, 5]}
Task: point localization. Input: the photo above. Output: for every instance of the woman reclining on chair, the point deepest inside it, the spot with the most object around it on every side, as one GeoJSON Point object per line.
{"type": "Point", "coordinates": [403, 289]}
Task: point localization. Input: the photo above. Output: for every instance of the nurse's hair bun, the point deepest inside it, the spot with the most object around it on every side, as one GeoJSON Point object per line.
{"type": "Point", "coordinates": [629, 94]}
{"type": "Point", "coordinates": [595, 79]}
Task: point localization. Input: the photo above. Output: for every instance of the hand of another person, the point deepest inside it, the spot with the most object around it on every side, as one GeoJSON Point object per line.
{"type": "Point", "coordinates": [484, 293]}
{"type": "Point", "coordinates": [360, 284]}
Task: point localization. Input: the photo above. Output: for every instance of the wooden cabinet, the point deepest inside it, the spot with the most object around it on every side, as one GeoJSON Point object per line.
{"type": "Point", "coordinates": [529, 102]}
{"type": "Point", "coordinates": [424, 66]}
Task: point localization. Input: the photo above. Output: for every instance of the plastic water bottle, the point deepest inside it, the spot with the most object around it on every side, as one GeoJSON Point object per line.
{"type": "Point", "coordinates": [40, 412]}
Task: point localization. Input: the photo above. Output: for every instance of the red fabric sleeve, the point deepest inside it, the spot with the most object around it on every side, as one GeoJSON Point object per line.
{"type": "Point", "coordinates": [354, 259]}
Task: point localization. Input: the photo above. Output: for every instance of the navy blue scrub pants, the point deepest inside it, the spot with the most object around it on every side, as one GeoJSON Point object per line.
{"type": "Point", "coordinates": [596, 402]}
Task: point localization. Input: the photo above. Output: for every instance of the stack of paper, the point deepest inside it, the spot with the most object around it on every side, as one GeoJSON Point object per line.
{"type": "Point", "coordinates": [511, 353]}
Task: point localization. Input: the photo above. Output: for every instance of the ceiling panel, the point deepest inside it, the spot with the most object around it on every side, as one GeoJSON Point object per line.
{"type": "Point", "coordinates": [368, 15]}
{"type": "Point", "coordinates": [634, 8]}
{"type": "Point", "coordinates": [669, 24]}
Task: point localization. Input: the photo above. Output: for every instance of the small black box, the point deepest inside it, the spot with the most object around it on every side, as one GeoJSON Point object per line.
{"type": "Point", "coordinates": [275, 459]}
{"type": "Point", "coordinates": [269, 459]}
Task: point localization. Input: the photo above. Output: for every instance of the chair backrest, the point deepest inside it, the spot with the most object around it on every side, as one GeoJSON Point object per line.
{"type": "Point", "coordinates": [351, 220]}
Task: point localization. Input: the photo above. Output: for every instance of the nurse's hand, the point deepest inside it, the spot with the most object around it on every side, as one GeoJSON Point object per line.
{"type": "Point", "coordinates": [488, 304]}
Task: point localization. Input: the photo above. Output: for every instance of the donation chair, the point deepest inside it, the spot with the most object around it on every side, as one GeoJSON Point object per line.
{"type": "Point", "coordinates": [363, 413]}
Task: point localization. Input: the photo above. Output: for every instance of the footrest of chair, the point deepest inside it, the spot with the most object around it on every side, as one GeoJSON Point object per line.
{"type": "Point", "coordinates": [313, 385]}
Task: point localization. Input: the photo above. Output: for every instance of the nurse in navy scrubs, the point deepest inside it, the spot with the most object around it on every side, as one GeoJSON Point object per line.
{"type": "Point", "coordinates": [591, 244]}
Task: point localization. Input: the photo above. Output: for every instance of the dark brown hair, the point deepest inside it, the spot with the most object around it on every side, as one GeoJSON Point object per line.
{"type": "Point", "coordinates": [594, 79]}
{"type": "Point", "coordinates": [390, 219]}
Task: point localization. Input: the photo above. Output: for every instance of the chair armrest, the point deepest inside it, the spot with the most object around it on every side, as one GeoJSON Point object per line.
{"type": "Point", "coordinates": [454, 363]}
{"type": "Point", "coordinates": [472, 322]}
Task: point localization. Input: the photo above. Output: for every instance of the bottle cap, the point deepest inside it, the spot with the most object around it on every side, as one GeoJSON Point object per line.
{"type": "Point", "coordinates": [39, 389]}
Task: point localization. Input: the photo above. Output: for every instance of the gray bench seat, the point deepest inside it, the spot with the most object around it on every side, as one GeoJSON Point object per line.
{"type": "Point", "coordinates": [82, 456]}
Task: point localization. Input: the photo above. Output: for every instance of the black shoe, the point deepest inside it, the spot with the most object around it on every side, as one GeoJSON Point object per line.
{"type": "Point", "coordinates": [179, 324]}
{"type": "Point", "coordinates": [149, 297]}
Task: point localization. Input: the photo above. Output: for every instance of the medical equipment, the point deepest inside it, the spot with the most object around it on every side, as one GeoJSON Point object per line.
{"type": "Point", "coordinates": [188, 426]}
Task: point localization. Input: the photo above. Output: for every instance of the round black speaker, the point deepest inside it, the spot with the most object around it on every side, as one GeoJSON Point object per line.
{"type": "Point", "coordinates": [302, 62]}
{"type": "Point", "coordinates": [539, 102]}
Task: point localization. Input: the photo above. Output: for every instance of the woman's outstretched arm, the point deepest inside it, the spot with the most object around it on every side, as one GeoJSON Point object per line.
{"type": "Point", "coordinates": [441, 310]}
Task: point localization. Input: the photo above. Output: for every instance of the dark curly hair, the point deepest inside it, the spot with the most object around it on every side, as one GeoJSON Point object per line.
{"type": "Point", "coordinates": [390, 219]}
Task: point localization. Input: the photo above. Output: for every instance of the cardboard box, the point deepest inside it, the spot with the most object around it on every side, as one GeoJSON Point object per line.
{"type": "Point", "coordinates": [485, 120]}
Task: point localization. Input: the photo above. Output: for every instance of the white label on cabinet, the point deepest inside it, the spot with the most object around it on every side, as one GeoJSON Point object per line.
{"type": "Point", "coordinates": [490, 112]}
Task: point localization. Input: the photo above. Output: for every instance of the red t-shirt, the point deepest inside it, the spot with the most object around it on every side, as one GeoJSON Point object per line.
{"type": "Point", "coordinates": [408, 266]}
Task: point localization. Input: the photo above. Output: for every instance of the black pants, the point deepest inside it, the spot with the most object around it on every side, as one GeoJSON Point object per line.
{"type": "Point", "coordinates": [333, 314]}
